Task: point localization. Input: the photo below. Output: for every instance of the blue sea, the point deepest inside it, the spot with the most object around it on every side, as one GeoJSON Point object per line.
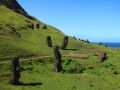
{"type": "Point", "coordinates": [115, 45]}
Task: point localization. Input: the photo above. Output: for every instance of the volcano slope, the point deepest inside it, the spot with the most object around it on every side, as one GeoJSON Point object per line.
{"type": "Point", "coordinates": [81, 68]}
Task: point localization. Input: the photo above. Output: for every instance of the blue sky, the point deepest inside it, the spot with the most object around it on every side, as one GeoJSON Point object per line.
{"type": "Point", "coordinates": [96, 20]}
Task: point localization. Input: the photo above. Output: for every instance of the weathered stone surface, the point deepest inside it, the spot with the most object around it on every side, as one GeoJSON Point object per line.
{"type": "Point", "coordinates": [102, 57]}
{"type": "Point", "coordinates": [32, 25]}
{"type": "Point", "coordinates": [64, 43]}
{"type": "Point", "coordinates": [58, 64]}
{"type": "Point", "coordinates": [15, 71]}
{"type": "Point", "coordinates": [49, 41]}
{"type": "Point", "coordinates": [38, 26]}
{"type": "Point", "coordinates": [44, 27]}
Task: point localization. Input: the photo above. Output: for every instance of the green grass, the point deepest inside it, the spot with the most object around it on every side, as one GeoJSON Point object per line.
{"type": "Point", "coordinates": [33, 42]}
{"type": "Point", "coordinates": [82, 71]}
{"type": "Point", "coordinates": [95, 76]}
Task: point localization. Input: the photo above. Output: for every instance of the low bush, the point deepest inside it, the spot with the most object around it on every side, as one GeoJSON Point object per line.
{"type": "Point", "coordinates": [72, 67]}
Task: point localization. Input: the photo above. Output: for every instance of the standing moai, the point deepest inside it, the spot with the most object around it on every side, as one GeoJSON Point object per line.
{"type": "Point", "coordinates": [15, 71]}
{"type": "Point", "coordinates": [32, 25]}
{"type": "Point", "coordinates": [58, 64]}
{"type": "Point", "coordinates": [49, 41]}
{"type": "Point", "coordinates": [88, 41]}
{"type": "Point", "coordinates": [44, 27]}
{"type": "Point", "coordinates": [106, 45]}
{"type": "Point", "coordinates": [102, 57]}
{"type": "Point", "coordinates": [64, 43]}
{"type": "Point", "coordinates": [38, 26]}
{"type": "Point", "coordinates": [100, 44]}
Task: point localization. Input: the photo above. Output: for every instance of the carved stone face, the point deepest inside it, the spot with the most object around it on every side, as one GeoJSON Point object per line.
{"type": "Point", "coordinates": [16, 60]}
{"type": "Point", "coordinates": [56, 48]}
{"type": "Point", "coordinates": [16, 71]}
{"type": "Point", "coordinates": [48, 38]}
{"type": "Point", "coordinates": [66, 39]}
{"type": "Point", "coordinates": [49, 41]}
{"type": "Point", "coordinates": [64, 43]}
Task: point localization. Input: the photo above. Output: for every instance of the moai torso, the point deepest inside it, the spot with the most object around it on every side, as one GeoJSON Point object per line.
{"type": "Point", "coordinates": [49, 41]}
{"type": "Point", "coordinates": [64, 43]}
{"type": "Point", "coordinates": [15, 70]}
{"type": "Point", "coordinates": [102, 57]}
{"type": "Point", "coordinates": [38, 26]}
{"type": "Point", "coordinates": [58, 65]}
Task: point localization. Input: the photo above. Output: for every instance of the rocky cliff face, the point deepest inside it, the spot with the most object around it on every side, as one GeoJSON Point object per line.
{"type": "Point", "coordinates": [15, 6]}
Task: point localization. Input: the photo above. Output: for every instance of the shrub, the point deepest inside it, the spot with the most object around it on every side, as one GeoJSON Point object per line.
{"type": "Point", "coordinates": [72, 67]}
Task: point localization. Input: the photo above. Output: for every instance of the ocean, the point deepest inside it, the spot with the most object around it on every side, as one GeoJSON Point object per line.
{"type": "Point", "coordinates": [115, 45]}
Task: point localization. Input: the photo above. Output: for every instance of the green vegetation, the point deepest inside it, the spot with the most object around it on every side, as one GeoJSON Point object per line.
{"type": "Point", "coordinates": [81, 68]}
{"type": "Point", "coordinates": [78, 74]}
{"type": "Point", "coordinates": [31, 42]}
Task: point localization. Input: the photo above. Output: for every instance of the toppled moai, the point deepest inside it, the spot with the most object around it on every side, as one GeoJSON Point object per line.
{"type": "Point", "coordinates": [49, 41]}
{"type": "Point", "coordinates": [102, 57]}
{"type": "Point", "coordinates": [44, 27]}
{"type": "Point", "coordinates": [58, 64]}
{"type": "Point", "coordinates": [64, 43]}
{"type": "Point", "coordinates": [15, 71]}
{"type": "Point", "coordinates": [38, 26]}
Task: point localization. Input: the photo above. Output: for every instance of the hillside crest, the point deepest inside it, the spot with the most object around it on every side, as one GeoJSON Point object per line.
{"type": "Point", "coordinates": [16, 7]}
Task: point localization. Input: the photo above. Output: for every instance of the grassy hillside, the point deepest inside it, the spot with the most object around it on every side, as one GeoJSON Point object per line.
{"type": "Point", "coordinates": [79, 74]}
{"type": "Point", "coordinates": [31, 42]}
{"type": "Point", "coordinates": [15, 6]}
{"type": "Point", "coordinates": [81, 69]}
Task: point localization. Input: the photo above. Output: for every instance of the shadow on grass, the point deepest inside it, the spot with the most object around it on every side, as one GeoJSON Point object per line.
{"type": "Point", "coordinates": [72, 49]}
{"type": "Point", "coordinates": [30, 84]}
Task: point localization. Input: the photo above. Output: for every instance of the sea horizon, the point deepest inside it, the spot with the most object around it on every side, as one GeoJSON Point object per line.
{"type": "Point", "coordinates": [110, 44]}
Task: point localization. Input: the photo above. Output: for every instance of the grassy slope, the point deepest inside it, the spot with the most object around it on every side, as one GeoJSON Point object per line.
{"type": "Point", "coordinates": [97, 76]}
{"type": "Point", "coordinates": [102, 76]}
{"type": "Point", "coordinates": [31, 41]}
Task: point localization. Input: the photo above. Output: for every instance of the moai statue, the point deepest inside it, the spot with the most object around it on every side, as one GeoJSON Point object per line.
{"type": "Point", "coordinates": [44, 27]}
{"type": "Point", "coordinates": [16, 71]}
{"type": "Point", "coordinates": [58, 64]}
{"type": "Point", "coordinates": [100, 44]}
{"type": "Point", "coordinates": [38, 26]}
{"type": "Point", "coordinates": [32, 25]}
{"type": "Point", "coordinates": [64, 43]}
{"type": "Point", "coordinates": [49, 41]}
{"type": "Point", "coordinates": [102, 57]}
{"type": "Point", "coordinates": [29, 26]}
{"type": "Point", "coordinates": [106, 45]}
{"type": "Point", "coordinates": [88, 41]}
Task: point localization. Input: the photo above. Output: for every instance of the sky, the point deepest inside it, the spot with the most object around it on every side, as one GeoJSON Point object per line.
{"type": "Point", "coordinates": [95, 20]}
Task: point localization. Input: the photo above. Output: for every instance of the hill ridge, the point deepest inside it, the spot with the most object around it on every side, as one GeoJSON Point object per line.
{"type": "Point", "coordinates": [19, 39]}
{"type": "Point", "coordinates": [16, 7]}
